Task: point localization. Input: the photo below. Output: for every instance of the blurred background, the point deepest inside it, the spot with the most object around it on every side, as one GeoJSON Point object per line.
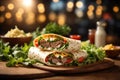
{"type": "Point", "coordinates": [80, 15]}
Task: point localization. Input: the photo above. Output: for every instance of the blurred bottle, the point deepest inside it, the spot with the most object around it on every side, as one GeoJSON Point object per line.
{"type": "Point", "coordinates": [100, 34]}
{"type": "Point", "coordinates": [91, 35]}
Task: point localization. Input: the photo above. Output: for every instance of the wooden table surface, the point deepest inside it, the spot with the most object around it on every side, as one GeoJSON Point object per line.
{"type": "Point", "coordinates": [107, 74]}
{"type": "Point", "coordinates": [112, 73]}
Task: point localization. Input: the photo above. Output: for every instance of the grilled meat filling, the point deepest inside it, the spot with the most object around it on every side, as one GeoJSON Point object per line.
{"type": "Point", "coordinates": [55, 44]}
{"type": "Point", "coordinates": [58, 59]}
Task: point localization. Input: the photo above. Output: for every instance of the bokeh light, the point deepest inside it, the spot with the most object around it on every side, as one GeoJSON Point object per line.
{"type": "Point", "coordinates": [30, 19]}
{"type": "Point", "coordinates": [10, 6]}
{"type": "Point", "coordinates": [41, 8]}
{"type": "Point", "coordinates": [18, 17]}
{"type": "Point", "coordinates": [55, 1]}
{"type": "Point", "coordinates": [100, 7]}
{"type": "Point", "coordinates": [2, 19]}
{"type": "Point", "coordinates": [91, 7]}
{"type": "Point", "coordinates": [79, 4]}
{"type": "Point", "coordinates": [79, 13]}
{"type": "Point", "coordinates": [61, 19]}
{"type": "Point", "coordinates": [99, 1]}
{"type": "Point", "coordinates": [21, 10]}
{"type": "Point", "coordinates": [8, 15]}
{"type": "Point", "coordinates": [19, 14]}
{"type": "Point", "coordinates": [27, 3]}
{"type": "Point", "coordinates": [2, 8]}
{"type": "Point", "coordinates": [99, 11]}
{"type": "Point", "coordinates": [41, 18]}
{"type": "Point", "coordinates": [90, 14]}
{"type": "Point", "coordinates": [70, 4]}
{"type": "Point", "coordinates": [116, 9]}
{"type": "Point", "coordinates": [52, 16]}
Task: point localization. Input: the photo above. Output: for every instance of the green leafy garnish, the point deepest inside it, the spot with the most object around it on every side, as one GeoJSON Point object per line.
{"type": "Point", "coordinates": [15, 55]}
{"type": "Point", "coordinates": [57, 29]}
{"type": "Point", "coordinates": [94, 54]}
{"type": "Point", "coordinates": [36, 32]}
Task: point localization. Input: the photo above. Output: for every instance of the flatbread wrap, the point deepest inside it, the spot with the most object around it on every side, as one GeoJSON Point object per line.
{"type": "Point", "coordinates": [55, 58]}
{"type": "Point", "coordinates": [56, 42]}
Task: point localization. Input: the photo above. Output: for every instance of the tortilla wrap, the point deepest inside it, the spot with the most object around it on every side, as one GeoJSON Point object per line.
{"type": "Point", "coordinates": [56, 42]}
{"type": "Point", "coordinates": [55, 58]}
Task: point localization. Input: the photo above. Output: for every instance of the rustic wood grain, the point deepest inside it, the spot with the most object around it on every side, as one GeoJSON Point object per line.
{"type": "Point", "coordinates": [107, 63]}
{"type": "Point", "coordinates": [22, 72]}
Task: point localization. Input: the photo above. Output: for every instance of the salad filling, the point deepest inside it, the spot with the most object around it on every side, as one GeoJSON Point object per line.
{"type": "Point", "coordinates": [56, 58]}
{"type": "Point", "coordinates": [56, 42]}
{"type": "Point", "coordinates": [50, 42]}
{"type": "Point", "coordinates": [50, 57]}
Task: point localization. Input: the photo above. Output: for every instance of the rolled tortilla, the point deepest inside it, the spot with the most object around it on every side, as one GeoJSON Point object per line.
{"type": "Point", "coordinates": [50, 57]}
{"type": "Point", "coordinates": [56, 42]}
{"type": "Point", "coordinates": [55, 58]}
{"type": "Point", "coordinates": [80, 56]}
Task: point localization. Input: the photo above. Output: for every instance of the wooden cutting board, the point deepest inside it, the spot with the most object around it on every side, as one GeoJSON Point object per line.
{"type": "Point", "coordinates": [40, 71]}
{"type": "Point", "coordinates": [22, 72]}
{"type": "Point", "coordinates": [106, 63]}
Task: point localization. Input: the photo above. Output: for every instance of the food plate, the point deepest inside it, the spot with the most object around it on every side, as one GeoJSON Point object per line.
{"type": "Point", "coordinates": [106, 63]}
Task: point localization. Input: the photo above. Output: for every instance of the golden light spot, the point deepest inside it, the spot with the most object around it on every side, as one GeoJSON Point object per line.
{"type": "Point", "coordinates": [90, 14]}
{"type": "Point", "coordinates": [70, 4]}
{"type": "Point", "coordinates": [116, 9]}
{"type": "Point", "coordinates": [98, 12]}
{"type": "Point", "coordinates": [52, 16]}
{"type": "Point", "coordinates": [18, 16]}
{"type": "Point", "coordinates": [27, 3]}
{"type": "Point", "coordinates": [79, 4]}
{"type": "Point", "coordinates": [19, 19]}
{"type": "Point", "coordinates": [79, 13]}
{"type": "Point", "coordinates": [8, 15]}
{"type": "Point", "coordinates": [55, 1]}
{"type": "Point", "coordinates": [91, 7]}
{"type": "Point", "coordinates": [100, 7]}
{"type": "Point", "coordinates": [41, 18]}
{"type": "Point", "coordinates": [99, 1]}
{"type": "Point", "coordinates": [41, 8]}
{"type": "Point", "coordinates": [61, 19]}
{"type": "Point", "coordinates": [2, 19]}
{"type": "Point", "coordinates": [21, 10]}
{"type": "Point", "coordinates": [10, 6]}
{"type": "Point", "coordinates": [2, 8]}
{"type": "Point", "coordinates": [30, 19]}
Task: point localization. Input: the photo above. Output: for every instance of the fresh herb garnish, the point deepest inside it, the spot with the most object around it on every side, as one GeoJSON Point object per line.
{"type": "Point", "coordinates": [15, 55]}
{"type": "Point", "coordinates": [57, 29]}
{"type": "Point", "coordinates": [94, 54]}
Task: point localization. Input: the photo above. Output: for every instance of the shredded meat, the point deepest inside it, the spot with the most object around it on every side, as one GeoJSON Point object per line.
{"type": "Point", "coordinates": [44, 43]}
{"type": "Point", "coordinates": [55, 44]}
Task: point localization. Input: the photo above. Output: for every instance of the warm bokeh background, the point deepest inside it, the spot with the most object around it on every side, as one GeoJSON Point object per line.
{"type": "Point", "coordinates": [80, 15]}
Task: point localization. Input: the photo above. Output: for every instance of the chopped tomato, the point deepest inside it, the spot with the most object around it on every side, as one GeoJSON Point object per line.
{"type": "Point", "coordinates": [65, 40]}
{"type": "Point", "coordinates": [77, 37]}
{"type": "Point", "coordinates": [46, 60]}
{"type": "Point", "coordinates": [68, 60]}
{"type": "Point", "coordinates": [35, 42]}
{"type": "Point", "coordinates": [81, 59]}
